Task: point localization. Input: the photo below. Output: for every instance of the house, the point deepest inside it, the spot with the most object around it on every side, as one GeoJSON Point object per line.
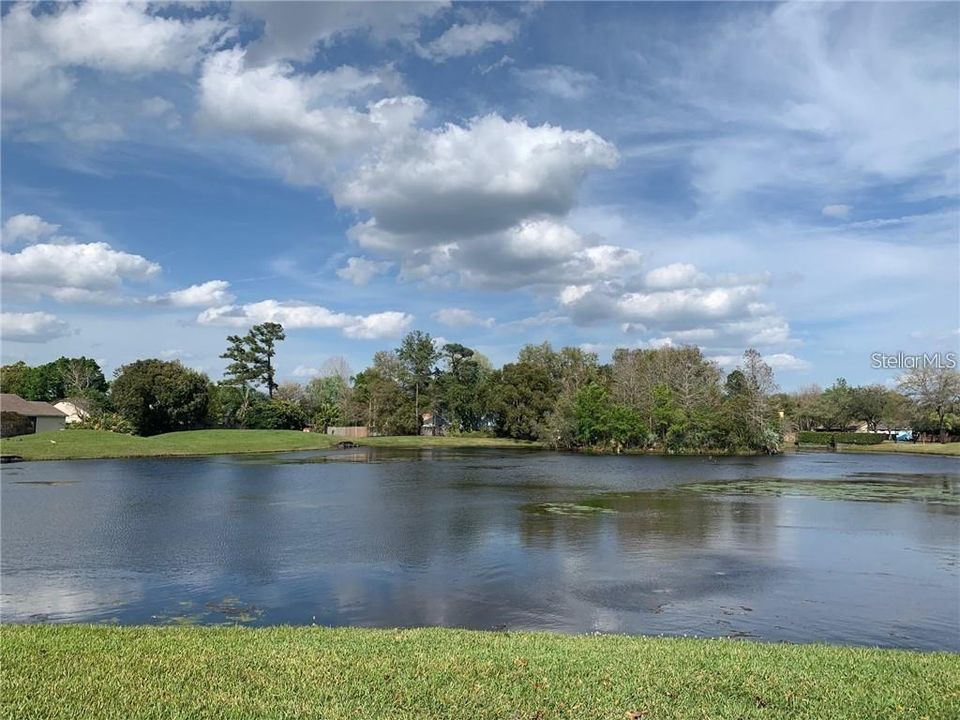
{"type": "Point", "coordinates": [40, 416]}
{"type": "Point", "coordinates": [431, 424]}
{"type": "Point", "coordinates": [76, 409]}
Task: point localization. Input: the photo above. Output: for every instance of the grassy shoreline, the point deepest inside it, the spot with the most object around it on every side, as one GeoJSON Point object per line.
{"type": "Point", "coordinates": [99, 444]}
{"type": "Point", "coordinates": [201, 672]}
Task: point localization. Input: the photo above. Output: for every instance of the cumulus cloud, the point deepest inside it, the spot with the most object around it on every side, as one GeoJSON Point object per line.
{"type": "Point", "coordinates": [469, 39]}
{"type": "Point", "coordinates": [683, 305]}
{"type": "Point", "coordinates": [47, 269]}
{"type": "Point", "coordinates": [43, 47]}
{"type": "Point", "coordinates": [32, 327]}
{"type": "Point", "coordinates": [295, 315]}
{"type": "Point", "coordinates": [785, 361]}
{"type": "Point", "coordinates": [360, 270]}
{"type": "Point", "coordinates": [458, 318]}
{"type": "Point", "coordinates": [558, 80]}
{"type": "Point", "coordinates": [311, 117]}
{"type": "Point", "coordinates": [27, 229]}
{"type": "Point", "coordinates": [486, 176]}
{"type": "Point", "coordinates": [208, 294]}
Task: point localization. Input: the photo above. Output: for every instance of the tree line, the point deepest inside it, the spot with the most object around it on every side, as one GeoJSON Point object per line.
{"type": "Point", "coordinates": [671, 399]}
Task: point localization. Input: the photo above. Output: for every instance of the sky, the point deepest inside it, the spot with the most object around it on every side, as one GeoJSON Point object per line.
{"type": "Point", "coordinates": [728, 175]}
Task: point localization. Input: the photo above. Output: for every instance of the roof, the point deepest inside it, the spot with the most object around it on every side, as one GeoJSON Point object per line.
{"type": "Point", "coordinates": [30, 408]}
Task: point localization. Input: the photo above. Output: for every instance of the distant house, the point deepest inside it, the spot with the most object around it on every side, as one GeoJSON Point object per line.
{"type": "Point", "coordinates": [431, 424]}
{"type": "Point", "coordinates": [76, 409]}
{"type": "Point", "coordinates": [40, 415]}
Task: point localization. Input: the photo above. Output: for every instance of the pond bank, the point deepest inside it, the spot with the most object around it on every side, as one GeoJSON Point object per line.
{"type": "Point", "coordinates": [119, 672]}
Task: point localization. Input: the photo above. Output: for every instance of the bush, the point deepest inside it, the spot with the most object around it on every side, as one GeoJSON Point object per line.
{"type": "Point", "coordinates": [832, 438]}
{"type": "Point", "coordinates": [156, 396]}
{"type": "Point", "coordinates": [13, 424]}
{"type": "Point", "coordinates": [109, 421]}
{"type": "Point", "coordinates": [275, 415]}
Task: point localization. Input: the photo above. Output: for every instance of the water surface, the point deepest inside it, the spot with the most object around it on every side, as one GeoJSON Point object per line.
{"type": "Point", "coordinates": [855, 549]}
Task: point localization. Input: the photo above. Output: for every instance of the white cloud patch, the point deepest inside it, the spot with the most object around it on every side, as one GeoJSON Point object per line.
{"type": "Point", "coordinates": [310, 118]}
{"type": "Point", "coordinates": [683, 305]}
{"type": "Point", "coordinates": [209, 294]}
{"type": "Point", "coordinates": [43, 47]}
{"type": "Point", "coordinates": [484, 177]}
{"type": "Point", "coordinates": [27, 229]}
{"type": "Point", "coordinates": [469, 39]}
{"type": "Point", "coordinates": [785, 362]}
{"type": "Point", "coordinates": [47, 269]}
{"type": "Point", "coordinates": [458, 318]}
{"type": "Point", "coordinates": [294, 315]}
{"type": "Point", "coordinates": [360, 270]}
{"type": "Point", "coordinates": [32, 327]}
{"type": "Point", "coordinates": [836, 211]}
{"type": "Point", "coordinates": [557, 80]}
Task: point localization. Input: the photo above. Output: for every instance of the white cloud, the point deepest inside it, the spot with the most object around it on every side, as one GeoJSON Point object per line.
{"type": "Point", "coordinates": [294, 30]}
{"type": "Point", "coordinates": [672, 277]}
{"type": "Point", "coordinates": [33, 327]}
{"type": "Point", "coordinates": [786, 362]}
{"type": "Point", "coordinates": [558, 80]}
{"type": "Point", "coordinates": [42, 47]}
{"type": "Point", "coordinates": [309, 118]}
{"type": "Point", "coordinates": [836, 211]}
{"type": "Point", "coordinates": [306, 372]}
{"type": "Point", "coordinates": [458, 317]}
{"type": "Point", "coordinates": [45, 268]}
{"type": "Point", "coordinates": [682, 305]}
{"type": "Point", "coordinates": [208, 294]}
{"type": "Point", "coordinates": [28, 229]}
{"type": "Point", "coordinates": [294, 315]}
{"type": "Point", "coordinates": [484, 177]}
{"type": "Point", "coordinates": [360, 270]}
{"type": "Point", "coordinates": [459, 40]}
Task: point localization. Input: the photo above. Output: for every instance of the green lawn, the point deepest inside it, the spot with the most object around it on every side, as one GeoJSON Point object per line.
{"type": "Point", "coordinates": [194, 672]}
{"type": "Point", "coordinates": [76, 444]}
{"type": "Point", "coordinates": [919, 448]}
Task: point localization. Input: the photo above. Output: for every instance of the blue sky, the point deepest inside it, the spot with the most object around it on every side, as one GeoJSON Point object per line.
{"type": "Point", "coordinates": [730, 175]}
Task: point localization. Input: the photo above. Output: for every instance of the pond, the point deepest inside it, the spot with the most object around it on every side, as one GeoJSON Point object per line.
{"type": "Point", "coordinates": [809, 547]}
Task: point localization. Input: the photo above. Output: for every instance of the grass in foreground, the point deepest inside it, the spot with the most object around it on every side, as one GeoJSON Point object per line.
{"type": "Point", "coordinates": [86, 444]}
{"type": "Point", "coordinates": [918, 448]}
{"type": "Point", "coordinates": [150, 672]}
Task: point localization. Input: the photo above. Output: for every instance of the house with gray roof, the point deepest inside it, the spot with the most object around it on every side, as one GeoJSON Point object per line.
{"type": "Point", "coordinates": [41, 416]}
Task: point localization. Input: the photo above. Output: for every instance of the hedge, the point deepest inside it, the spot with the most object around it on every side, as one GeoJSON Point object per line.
{"type": "Point", "coordinates": [13, 424]}
{"type": "Point", "coordinates": [832, 438]}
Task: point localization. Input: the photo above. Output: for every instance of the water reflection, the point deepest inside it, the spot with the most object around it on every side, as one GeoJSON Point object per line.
{"type": "Point", "coordinates": [493, 538]}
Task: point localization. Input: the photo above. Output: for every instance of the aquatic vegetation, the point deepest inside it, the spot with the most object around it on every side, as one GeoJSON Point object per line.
{"type": "Point", "coordinates": [584, 509]}
{"type": "Point", "coordinates": [864, 490]}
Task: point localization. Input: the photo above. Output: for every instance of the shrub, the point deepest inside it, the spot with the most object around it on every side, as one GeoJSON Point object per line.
{"type": "Point", "coordinates": [109, 421]}
{"type": "Point", "coordinates": [831, 438]}
{"type": "Point", "coordinates": [13, 424]}
{"type": "Point", "coordinates": [275, 415]}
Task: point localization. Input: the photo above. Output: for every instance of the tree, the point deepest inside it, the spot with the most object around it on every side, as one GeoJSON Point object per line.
{"type": "Point", "coordinates": [326, 398]}
{"type": "Point", "coordinates": [251, 357]}
{"type": "Point", "coordinates": [64, 377]}
{"type": "Point", "coordinates": [461, 387]}
{"type": "Point", "coordinates": [156, 396]}
{"type": "Point", "coordinates": [934, 390]}
{"type": "Point", "coordinates": [417, 355]}
{"type": "Point", "coordinates": [522, 395]}
{"type": "Point", "coordinates": [836, 405]}
{"type": "Point", "coordinates": [276, 415]}
{"type": "Point", "coordinates": [870, 403]}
